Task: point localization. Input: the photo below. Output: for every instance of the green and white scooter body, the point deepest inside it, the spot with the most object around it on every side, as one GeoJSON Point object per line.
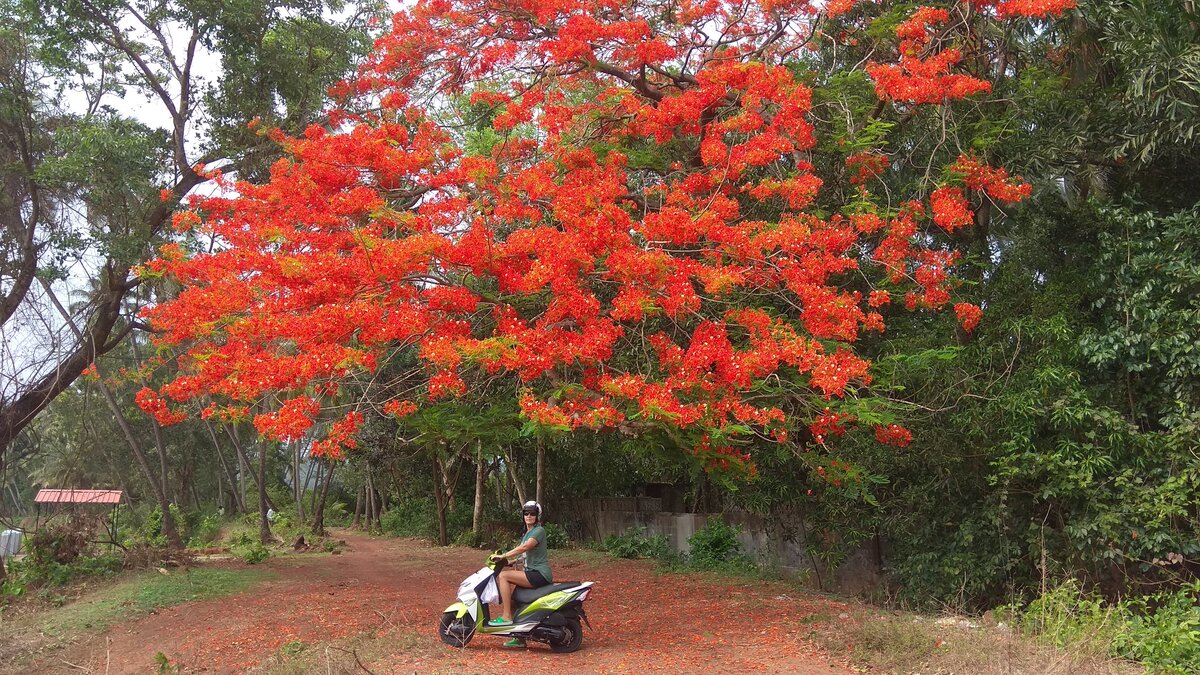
{"type": "Point", "coordinates": [527, 617]}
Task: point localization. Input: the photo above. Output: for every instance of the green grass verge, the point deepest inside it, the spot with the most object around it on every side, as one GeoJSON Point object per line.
{"type": "Point", "coordinates": [143, 592]}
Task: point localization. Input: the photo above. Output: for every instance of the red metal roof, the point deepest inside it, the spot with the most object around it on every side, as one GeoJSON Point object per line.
{"type": "Point", "coordinates": [78, 497]}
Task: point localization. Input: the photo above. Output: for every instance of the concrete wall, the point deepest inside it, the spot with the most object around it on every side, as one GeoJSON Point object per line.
{"type": "Point", "coordinates": [778, 540]}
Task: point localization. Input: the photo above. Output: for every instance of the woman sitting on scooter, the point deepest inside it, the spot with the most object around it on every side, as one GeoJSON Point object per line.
{"type": "Point", "coordinates": [537, 563]}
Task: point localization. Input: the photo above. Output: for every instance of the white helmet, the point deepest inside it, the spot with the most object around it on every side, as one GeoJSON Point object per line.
{"type": "Point", "coordinates": [533, 506]}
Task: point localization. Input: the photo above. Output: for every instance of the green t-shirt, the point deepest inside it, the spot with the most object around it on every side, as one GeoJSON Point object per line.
{"type": "Point", "coordinates": [537, 558]}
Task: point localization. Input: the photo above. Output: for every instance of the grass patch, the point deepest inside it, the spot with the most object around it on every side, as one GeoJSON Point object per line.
{"type": "Point", "coordinates": [350, 654]}
{"type": "Point", "coordinates": [907, 643]}
{"type": "Point", "coordinates": [143, 592]}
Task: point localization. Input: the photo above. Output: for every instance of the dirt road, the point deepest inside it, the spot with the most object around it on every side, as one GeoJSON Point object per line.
{"type": "Point", "coordinates": [374, 608]}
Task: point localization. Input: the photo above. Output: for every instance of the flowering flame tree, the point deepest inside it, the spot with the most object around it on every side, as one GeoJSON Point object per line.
{"type": "Point", "coordinates": [612, 203]}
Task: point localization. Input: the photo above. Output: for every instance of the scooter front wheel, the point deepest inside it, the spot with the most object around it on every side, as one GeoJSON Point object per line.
{"type": "Point", "coordinates": [572, 637]}
{"type": "Point", "coordinates": [456, 631]}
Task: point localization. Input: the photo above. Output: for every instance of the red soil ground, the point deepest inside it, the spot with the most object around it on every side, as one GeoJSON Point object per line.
{"type": "Point", "coordinates": [381, 599]}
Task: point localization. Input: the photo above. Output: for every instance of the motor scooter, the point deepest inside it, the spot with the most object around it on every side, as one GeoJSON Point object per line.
{"type": "Point", "coordinates": [550, 614]}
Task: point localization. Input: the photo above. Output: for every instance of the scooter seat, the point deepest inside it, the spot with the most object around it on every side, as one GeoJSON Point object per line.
{"type": "Point", "coordinates": [525, 596]}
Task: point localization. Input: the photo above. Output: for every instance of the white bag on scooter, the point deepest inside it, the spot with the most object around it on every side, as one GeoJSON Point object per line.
{"type": "Point", "coordinates": [488, 595]}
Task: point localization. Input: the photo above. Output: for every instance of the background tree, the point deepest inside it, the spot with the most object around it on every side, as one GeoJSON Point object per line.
{"type": "Point", "coordinates": [89, 188]}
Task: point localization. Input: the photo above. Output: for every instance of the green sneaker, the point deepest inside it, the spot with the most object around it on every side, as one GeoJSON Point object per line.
{"type": "Point", "coordinates": [499, 621]}
{"type": "Point", "coordinates": [515, 643]}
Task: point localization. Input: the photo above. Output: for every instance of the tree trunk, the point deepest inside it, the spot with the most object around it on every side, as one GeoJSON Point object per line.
{"type": "Point", "coordinates": [264, 523]}
{"type": "Point", "coordinates": [495, 468]}
{"type": "Point", "coordinates": [358, 505]}
{"type": "Point", "coordinates": [164, 476]}
{"type": "Point", "coordinates": [320, 470]}
{"type": "Point", "coordinates": [298, 487]}
{"type": "Point", "coordinates": [243, 469]}
{"type": "Point", "coordinates": [370, 506]}
{"type": "Point", "coordinates": [318, 524]}
{"type": "Point", "coordinates": [168, 520]}
{"type": "Point", "coordinates": [246, 463]}
{"type": "Point", "coordinates": [516, 480]}
{"type": "Point", "coordinates": [168, 523]}
{"type": "Point", "coordinates": [238, 497]}
{"type": "Point", "coordinates": [480, 484]}
{"type": "Point", "coordinates": [439, 498]}
{"type": "Point", "coordinates": [541, 472]}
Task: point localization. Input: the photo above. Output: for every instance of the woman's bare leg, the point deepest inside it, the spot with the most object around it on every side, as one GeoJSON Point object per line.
{"type": "Point", "coordinates": [508, 581]}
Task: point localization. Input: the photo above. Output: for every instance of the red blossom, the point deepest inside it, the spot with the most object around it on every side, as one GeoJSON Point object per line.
{"type": "Point", "coordinates": [893, 434]}
{"type": "Point", "coordinates": [968, 315]}
{"type": "Point", "coordinates": [542, 261]}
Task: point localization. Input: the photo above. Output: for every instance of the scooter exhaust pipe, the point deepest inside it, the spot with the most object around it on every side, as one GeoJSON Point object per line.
{"type": "Point", "coordinates": [548, 633]}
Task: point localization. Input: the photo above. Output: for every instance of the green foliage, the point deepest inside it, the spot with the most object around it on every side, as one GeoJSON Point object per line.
{"type": "Point", "coordinates": [163, 665]}
{"type": "Point", "coordinates": [1161, 631]}
{"type": "Point", "coordinates": [1066, 616]}
{"type": "Point", "coordinates": [413, 517]}
{"type": "Point", "coordinates": [556, 536]}
{"type": "Point", "coordinates": [142, 592]}
{"type": "Point", "coordinates": [205, 531]}
{"type": "Point", "coordinates": [715, 546]}
{"type": "Point", "coordinates": [254, 553]}
{"type": "Point", "coordinates": [44, 574]}
{"type": "Point", "coordinates": [634, 543]}
{"type": "Point", "coordinates": [337, 514]}
{"type": "Point", "coordinates": [60, 541]}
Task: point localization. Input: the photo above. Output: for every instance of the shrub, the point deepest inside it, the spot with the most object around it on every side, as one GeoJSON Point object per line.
{"type": "Point", "coordinates": [1167, 638]}
{"type": "Point", "coordinates": [337, 514]}
{"type": "Point", "coordinates": [467, 538]}
{"type": "Point", "coordinates": [255, 553]}
{"type": "Point", "coordinates": [1067, 615]}
{"type": "Point", "coordinates": [635, 544]}
{"type": "Point", "coordinates": [715, 546]}
{"type": "Point", "coordinates": [1161, 631]}
{"type": "Point", "coordinates": [206, 530]}
{"type": "Point", "coordinates": [410, 518]}
{"type": "Point", "coordinates": [556, 536]}
{"type": "Point", "coordinates": [60, 542]}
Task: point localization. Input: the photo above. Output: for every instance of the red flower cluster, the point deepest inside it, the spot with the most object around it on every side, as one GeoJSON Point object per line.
{"type": "Point", "coordinates": [1029, 9]}
{"type": "Point", "coordinates": [996, 182]}
{"type": "Point", "coordinates": [153, 404]}
{"type": "Point", "coordinates": [968, 315]}
{"type": "Point", "coordinates": [893, 434]}
{"type": "Point", "coordinates": [865, 166]}
{"type": "Point", "coordinates": [547, 258]}
{"type": "Point", "coordinates": [923, 81]}
{"type": "Point", "coordinates": [950, 209]}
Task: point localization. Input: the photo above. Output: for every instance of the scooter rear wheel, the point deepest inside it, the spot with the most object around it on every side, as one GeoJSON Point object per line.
{"type": "Point", "coordinates": [455, 631]}
{"type": "Point", "coordinates": [572, 638]}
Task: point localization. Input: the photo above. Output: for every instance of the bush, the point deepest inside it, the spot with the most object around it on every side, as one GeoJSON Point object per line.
{"type": "Point", "coordinates": [635, 544]}
{"type": "Point", "coordinates": [1067, 616]}
{"type": "Point", "coordinates": [32, 573]}
{"type": "Point", "coordinates": [60, 542]}
{"type": "Point", "coordinates": [205, 531]}
{"type": "Point", "coordinates": [337, 514]}
{"type": "Point", "coordinates": [255, 553]}
{"type": "Point", "coordinates": [1161, 631]}
{"type": "Point", "coordinates": [410, 517]}
{"type": "Point", "coordinates": [1166, 638]}
{"type": "Point", "coordinates": [556, 536]}
{"type": "Point", "coordinates": [715, 546]}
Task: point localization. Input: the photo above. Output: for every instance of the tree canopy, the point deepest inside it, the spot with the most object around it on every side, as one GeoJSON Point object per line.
{"type": "Point", "coordinates": [619, 205]}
